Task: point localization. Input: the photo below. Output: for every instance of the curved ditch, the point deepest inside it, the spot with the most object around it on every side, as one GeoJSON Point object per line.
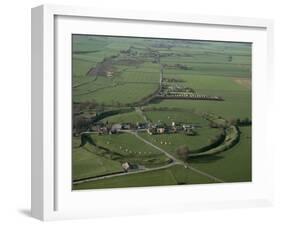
{"type": "Point", "coordinates": [231, 138]}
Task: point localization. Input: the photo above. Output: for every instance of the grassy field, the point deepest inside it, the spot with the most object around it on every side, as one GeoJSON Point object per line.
{"type": "Point", "coordinates": [175, 115]}
{"type": "Point", "coordinates": [129, 72]}
{"type": "Point", "coordinates": [172, 176]}
{"type": "Point", "coordinates": [170, 142]}
{"type": "Point", "coordinates": [126, 93]}
{"type": "Point", "coordinates": [87, 164]}
{"type": "Point", "coordinates": [237, 97]}
{"type": "Point", "coordinates": [132, 117]}
{"type": "Point", "coordinates": [236, 162]}
{"type": "Point", "coordinates": [91, 161]}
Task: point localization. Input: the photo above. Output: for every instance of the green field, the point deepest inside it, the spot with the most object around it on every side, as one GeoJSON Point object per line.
{"type": "Point", "coordinates": [175, 115]}
{"type": "Point", "coordinates": [113, 73]}
{"type": "Point", "coordinates": [133, 117]}
{"type": "Point", "coordinates": [236, 161]}
{"type": "Point", "coordinates": [87, 164]}
{"type": "Point", "coordinates": [172, 176]}
{"type": "Point", "coordinates": [170, 142]}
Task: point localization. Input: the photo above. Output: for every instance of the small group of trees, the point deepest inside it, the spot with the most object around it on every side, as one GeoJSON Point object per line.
{"type": "Point", "coordinates": [183, 152]}
{"type": "Point", "coordinates": [81, 124]}
{"type": "Point", "coordinates": [86, 138]}
{"type": "Point", "coordinates": [231, 122]}
{"type": "Point", "coordinates": [101, 69]}
{"type": "Point", "coordinates": [241, 122]}
{"type": "Point", "coordinates": [221, 124]}
{"type": "Point", "coordinates": [182, 66]}
{"type": "Point", "coordinates": [78, 108]}
{"type": "Point", "coordinates": [131, 51]}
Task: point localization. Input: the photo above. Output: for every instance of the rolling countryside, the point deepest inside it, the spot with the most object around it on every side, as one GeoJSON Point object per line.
{"type": "Point", "coordinates": [155, 112]}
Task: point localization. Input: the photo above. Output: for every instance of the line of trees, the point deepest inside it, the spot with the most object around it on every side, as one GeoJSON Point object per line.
{"type": "Point", "coordinates": [232, 122]}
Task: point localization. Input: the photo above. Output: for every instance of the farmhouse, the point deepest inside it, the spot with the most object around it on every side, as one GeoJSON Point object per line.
{"type": "Point", "coordinates": [128, 166]}
{"type": "Point", "coordinates": [190, 132]}
{"type": "Point", "coordinates": [160, 130]}
{"type": "Point", "coordinates": [115, 128]}
{"type": "Point", "coordinates": [187, 126]}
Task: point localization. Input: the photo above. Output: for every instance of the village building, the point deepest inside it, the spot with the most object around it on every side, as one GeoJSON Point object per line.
{"type": "Point", "coordinates": [190, 132]}
{"type": "Point", "coordinates": [142, 125]}
{"type": "Point", "coordinates": [126, 126]}
{"type": "Point", "coordinates": [128, 166]}
{"type": "Point", "coordinates": [149, 131]}
{"type": "Point", "coordinates": [160, 130]}
{"type": "Point", "coordinates": [187, 126]}
{"type": "Point", "coordinates": [115, 128]}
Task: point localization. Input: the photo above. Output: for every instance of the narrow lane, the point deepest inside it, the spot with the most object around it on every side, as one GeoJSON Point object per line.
{"type": "Point", "coordinates": [124, 174]}
{"type": "Point", "coordinates": [186, 165]}
{"type": "Point", "coordinates": [154, 146]}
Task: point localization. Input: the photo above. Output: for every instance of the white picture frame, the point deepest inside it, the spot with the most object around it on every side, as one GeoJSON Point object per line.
{"type": "Point", "coordinates": [52, 197]}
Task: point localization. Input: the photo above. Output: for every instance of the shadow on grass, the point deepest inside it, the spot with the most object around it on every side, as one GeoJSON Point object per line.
{"type": "Point", "coordinates": [205, 159]}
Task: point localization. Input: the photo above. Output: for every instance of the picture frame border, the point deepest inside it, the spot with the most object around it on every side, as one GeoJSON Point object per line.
{"type": "Point", "coordinates": [43, 158]}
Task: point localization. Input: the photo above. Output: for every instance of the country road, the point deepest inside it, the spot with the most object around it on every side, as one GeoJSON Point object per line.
{"type": "Point", "coordinates": [124, 174]}
{"type": "Point", "coordinates": [178, 161]}
{"type": "Point", "coordinates": [204, 173]}
{"type": "Point", "coordinates": [154, 146]}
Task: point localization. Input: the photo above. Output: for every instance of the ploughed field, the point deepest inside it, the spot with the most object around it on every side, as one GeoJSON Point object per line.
{"type": "Point", "coordinates": [122, 75]}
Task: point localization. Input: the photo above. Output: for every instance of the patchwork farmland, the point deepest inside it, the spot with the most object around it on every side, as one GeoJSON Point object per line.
{"type": "Point", "coordinates": [151, 112]}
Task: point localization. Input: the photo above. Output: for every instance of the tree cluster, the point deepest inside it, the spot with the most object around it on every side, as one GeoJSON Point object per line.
{"type": "Point", "coordinates": [183, 152]}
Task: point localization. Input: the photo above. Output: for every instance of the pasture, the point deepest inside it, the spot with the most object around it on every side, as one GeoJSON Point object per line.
{"type": "Point", "coordinates": [131, 117]}
{"type": "Point", "coordinates": [174, 175]}
{"type": "Point", "coordinates": [127, 148]}
{"type": "Point", "coordinates": [85, 163]}
{"type": "Point", "coordinates": [236, 162]}
{"type": "Point", "coordinates": [175, 115]}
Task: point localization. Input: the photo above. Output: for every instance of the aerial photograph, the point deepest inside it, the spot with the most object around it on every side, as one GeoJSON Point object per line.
{"type": "Point", "coordinates": [159, 112]}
